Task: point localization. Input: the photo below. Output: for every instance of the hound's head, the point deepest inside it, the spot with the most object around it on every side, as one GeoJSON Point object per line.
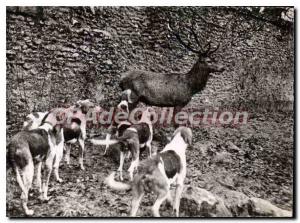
{"type": "Point", "coordinates": [84, 105]}
{"type": "Point", "coordinates": [27, 124]}
{"type": "Point", "coordinates": [185, 133]}
{"type": "Point", "coordinates": [129, 101]}
{"type": "Point", "coordinates": [124, 106]}
{"type": "Point", "coordinates": [34, 120]}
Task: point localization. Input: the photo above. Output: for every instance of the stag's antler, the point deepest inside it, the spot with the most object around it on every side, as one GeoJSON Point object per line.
{"type": "Point", "coordinates": [203, 51]}
{"type": "Point", "coordinates": [186, 45]}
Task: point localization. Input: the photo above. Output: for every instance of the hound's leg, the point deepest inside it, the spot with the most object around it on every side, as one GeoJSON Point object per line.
{"type": "Point", "coordinates": [148, 144]}
{"type": "Point", "coordinates": [83, 128]}
{"type": "Point", "coordinates": [132, 167]}
{"type": "Point", "coordinates": [25, 183]}
{"type": "Point", "coordinates": [107, 138]}
{"type": "Point", "coordinates": [134, 147]}
{"type": "Point", "coordinates": [58, 157]}
{"type": "Point", "coordinates": [134, 164]}
{"type": "Point", "coordinates": [120, 169]}
{"type": "Point", "coordinates": [39, 176]}
{"type": "Point", "coordinates": [137, 197]}
{"type": "Point", "coordinates": [67, 156]}
{"type": "Point", "coordinates": [178, 192]}
{"type": "Point", "coordinates": [169, 198]}
{"type": "Point", "coordinates": [81, 153]}
{"type": "Point", "coordinates": [127, 155]}
{"type": "Point", "coordinates": [162, 196]}
{"type": "Point", "coordinates": [47, 174]}
{"type": "Point", "coordinates": [177, 109]}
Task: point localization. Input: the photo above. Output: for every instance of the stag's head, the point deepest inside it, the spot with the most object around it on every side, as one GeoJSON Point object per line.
{"type": "Point", "coordinates": [205, 53]}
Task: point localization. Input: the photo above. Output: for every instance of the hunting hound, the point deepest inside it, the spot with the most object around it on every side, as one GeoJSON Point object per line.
{"type": "Point", "coordinates": [29, 148]}
{"type": "Point", "coordinates": [74, 125]}
{"type": "Point", "coordinates": [133, 137]}
{"type": "Point", "coordinates": [158, 172]}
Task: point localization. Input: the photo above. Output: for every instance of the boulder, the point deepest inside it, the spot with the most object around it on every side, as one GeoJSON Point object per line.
{"type": "Point", "coordinates": [198, 202]}
{"type": "Point", "coordinates": [264, 208]}
{"type": "Point", "coordinates": [236, 202]}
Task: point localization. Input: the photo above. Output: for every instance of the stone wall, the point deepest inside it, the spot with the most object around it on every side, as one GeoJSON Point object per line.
{"type": "Point", "coordinates": [57, 55]}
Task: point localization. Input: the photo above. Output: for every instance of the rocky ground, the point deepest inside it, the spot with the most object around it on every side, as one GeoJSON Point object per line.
{"type": "Point", "coordinates": [229, 168]}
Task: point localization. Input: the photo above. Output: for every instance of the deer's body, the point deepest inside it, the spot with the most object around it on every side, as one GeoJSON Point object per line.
{"type": "Point", "coordinates": [165, 89]}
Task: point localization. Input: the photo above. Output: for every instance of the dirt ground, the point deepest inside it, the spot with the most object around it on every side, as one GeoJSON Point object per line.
{"type": "Point", "coordinates": [255, 159]}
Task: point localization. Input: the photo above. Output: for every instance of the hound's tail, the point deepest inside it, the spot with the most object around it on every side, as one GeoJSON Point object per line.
{"type": "Point", "coordinates": [116, 185]}
{"type": "Point", "coordinates": [20, 180]}
{"type": "Point", "coordinates": [109, 142]}
{"type": "Point", "coordinates": [13, 155]}
{"type": "Point", "coordinates": [104, 142]}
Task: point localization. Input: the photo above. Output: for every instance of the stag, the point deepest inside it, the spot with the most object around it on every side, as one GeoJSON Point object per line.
{"type": "Point", "coordinates": [170, 89]}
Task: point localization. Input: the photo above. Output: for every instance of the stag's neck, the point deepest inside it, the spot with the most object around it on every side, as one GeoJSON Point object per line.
{"type": "Point", "coordinates": [198, 76]}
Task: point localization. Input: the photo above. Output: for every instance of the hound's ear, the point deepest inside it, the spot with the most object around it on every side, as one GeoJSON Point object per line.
{"type": "Point", "coordinates": [186, 134]}
{"type": "Point", "coordinates": [57, 128]}
{"type": "Point", "coordinates": [139, 115]}
{"type": "Point", "coordinates": [84, 109]}
{"type": "Point", "coordinates": [78, 104]}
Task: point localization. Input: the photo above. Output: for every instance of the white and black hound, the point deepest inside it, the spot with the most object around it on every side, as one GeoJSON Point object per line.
{"type": "Point", "coordinates": [75, 128]}
{"type": "Point", "coordinates": [157, 173]}
{"type": "Point", "coordinates": [134, 137]}
{"type": "Point", "coordinates": [30, 148]}
{"type": "Point", "coordinates": [129, 100]}
{"type": "Point", "coordinates": [74, 125]}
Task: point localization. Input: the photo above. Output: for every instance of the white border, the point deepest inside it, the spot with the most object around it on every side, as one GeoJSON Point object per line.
{"type": "Point", "coordinates": [151, 3]}
{"type": "Point", "coordinates": [109, 3]}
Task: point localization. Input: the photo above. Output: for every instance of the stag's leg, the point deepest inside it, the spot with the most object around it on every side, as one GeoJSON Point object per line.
{"type": "Point", "coordinates": [177, 109]}
{"type": "Point", "coordinates": [120, 169]}
{"type": "Point", "coordinates": [81, 153]}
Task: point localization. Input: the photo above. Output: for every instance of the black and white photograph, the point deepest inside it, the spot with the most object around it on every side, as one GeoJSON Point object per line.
{"type": "Point", "coordinates": [150, 111]}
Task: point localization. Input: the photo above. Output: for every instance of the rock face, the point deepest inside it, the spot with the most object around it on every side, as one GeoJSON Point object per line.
{"type": "Point", "coordinates": [198, 202]}
{"type": "Point", "coordinates": [57, 55]}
